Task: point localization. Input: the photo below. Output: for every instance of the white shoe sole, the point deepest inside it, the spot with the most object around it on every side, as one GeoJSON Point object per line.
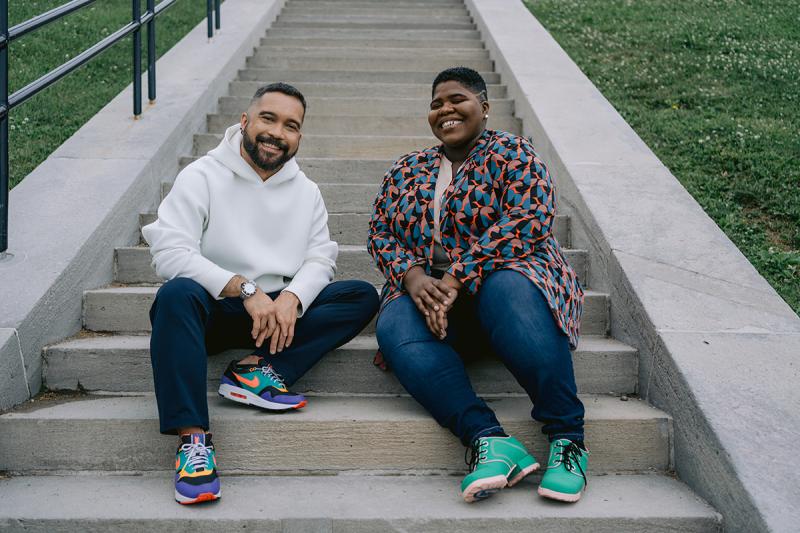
{"type": "Point", "coordinates": [239, 395]}
{"type": "Point", "coordinates": [560, 496]}
{"type": "Point", "coordinates": [523, 473]}
{"type": "Point", "coordinates": [481, 489]}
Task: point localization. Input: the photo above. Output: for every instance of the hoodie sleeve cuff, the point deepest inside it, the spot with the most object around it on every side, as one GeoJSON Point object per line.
{"type": "Point", "coordinates": [214, 280]}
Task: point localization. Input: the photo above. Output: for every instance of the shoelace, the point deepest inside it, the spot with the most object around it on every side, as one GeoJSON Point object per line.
{"type": "Point", "coordinates": [197, 454]}
{"type": "Point", "coordinates": [570, 456]}
{"type": "Point", "coordinates": [477, 454]}
{"type": "Point", "coordinates": [270, 373]}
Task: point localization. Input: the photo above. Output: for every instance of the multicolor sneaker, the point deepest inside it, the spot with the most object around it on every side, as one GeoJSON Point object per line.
{"type": "Point", "coordinates": [259, 385]}
{"type": "Point", "coordinates": [496, 462]}
{"type": "Point", "coordinates": [196, 470]}
{"type": "Point", "coordinates": [565, 477]}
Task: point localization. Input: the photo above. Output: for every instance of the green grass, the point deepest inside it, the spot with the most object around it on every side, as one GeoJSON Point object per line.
{"type": "Point", "coordinates": [40, 125]}
{"type": "Point", "coordinates": [713, 87]}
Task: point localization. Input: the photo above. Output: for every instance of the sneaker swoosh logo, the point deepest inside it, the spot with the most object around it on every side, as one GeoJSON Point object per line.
{"type": "Point", "coordinates": [252, 382]}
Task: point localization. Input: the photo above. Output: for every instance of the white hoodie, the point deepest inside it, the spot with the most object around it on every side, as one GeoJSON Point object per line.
{"type": "Point", "coordinates": [220, 219]}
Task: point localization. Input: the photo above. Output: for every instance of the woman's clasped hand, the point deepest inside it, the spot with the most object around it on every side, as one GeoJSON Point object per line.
{"type": "Point", "coordinates": [433, 297]}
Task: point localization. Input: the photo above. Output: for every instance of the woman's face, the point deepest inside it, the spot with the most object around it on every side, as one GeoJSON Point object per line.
{"type": "Point", "coordinates": [457, 114]}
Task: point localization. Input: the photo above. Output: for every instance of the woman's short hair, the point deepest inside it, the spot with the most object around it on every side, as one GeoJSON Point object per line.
{"type": "Point", "coordinates": [466, 77]}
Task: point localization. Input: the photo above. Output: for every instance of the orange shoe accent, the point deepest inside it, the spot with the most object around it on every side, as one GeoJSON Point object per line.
{"type": "Point", "coordinates": [253, 382]}
{"type": "Point", "coordinates": [205, 497]}
{"type": "Point", "coordinates": [301, 404]}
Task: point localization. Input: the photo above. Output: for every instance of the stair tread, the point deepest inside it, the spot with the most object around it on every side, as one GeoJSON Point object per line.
{"type": "Point", "coordinates": [587, 343]}
{"type": "Point", "coordinates": [411, 501]}
{"type": "Point", "coordinates": [326, 409]}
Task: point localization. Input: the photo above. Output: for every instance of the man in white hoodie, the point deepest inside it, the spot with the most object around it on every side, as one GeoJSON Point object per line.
{"type": "Point", "coordinates": [243, 240]}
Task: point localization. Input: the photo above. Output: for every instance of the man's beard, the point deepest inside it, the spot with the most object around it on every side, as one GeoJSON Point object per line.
{"type": "Point", "coordinates": [265, 163]}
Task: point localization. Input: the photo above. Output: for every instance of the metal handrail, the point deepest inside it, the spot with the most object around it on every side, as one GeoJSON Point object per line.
{"type": "Point", "coordinates": [8, 102]}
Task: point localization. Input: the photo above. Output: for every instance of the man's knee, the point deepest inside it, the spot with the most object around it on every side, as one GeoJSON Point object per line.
{"type": "Point", "coordinates": [178, 291]}
{"type": "Point", "coordinates": [367, 297]}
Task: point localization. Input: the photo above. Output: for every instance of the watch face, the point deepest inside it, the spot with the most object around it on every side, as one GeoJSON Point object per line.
{"type": "Point", "coordinates": [248, 288]}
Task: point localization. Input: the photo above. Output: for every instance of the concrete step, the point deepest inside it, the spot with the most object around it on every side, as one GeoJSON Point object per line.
{"type": "Point", "coordinates": [350, 76]}
{"type": "Point", "coordinates": [360, 106]}
{"type": "Point", "coordinates": [332, 433]}
{"type": "Point", "coordinates": [132, 263]}
{"type": "Point", "coordinates": [125, 310]}
{"type": "Point", "coordinates": [387, 34]}
{"type": "Point", "coordinates": [414, 125]}
{"type": "Point", "coordinates": [355, 23]}
{"type": "Point", "coordinates": [355, 41]}
{"type": "Point", "coordinates": [351, 228]}
{"type": "Point", "coordinates": [410, 4]}
{"type": "Point", "coordinates": [330, 170]}
{"type": "Point", "coordinates": [367, 64]}
{"type": "Point", "coordinates": [348, 503]}
{"type": "Point", "coordinates": [317, 10]}
{"type": "Point", "coordinates": [340, 146]}
{"type": "Point", "coordinates": [120, 363]}
{"type": "Point", "coordinates": [455, 54]}
{"type": "Point", "coordinates": [360, 90]}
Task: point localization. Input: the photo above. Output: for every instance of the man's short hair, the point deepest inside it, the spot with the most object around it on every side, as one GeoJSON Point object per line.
{"type": "Point", "coordinates": [466, 77]}
{"type": "Point", "coordinates": [280, 87]}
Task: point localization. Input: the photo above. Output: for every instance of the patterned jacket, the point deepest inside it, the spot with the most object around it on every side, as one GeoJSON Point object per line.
{"type": "Point", "coordinates": [496, 214]}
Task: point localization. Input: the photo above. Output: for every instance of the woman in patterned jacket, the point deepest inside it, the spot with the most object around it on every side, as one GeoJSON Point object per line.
{"type": "Point", "coordinates": [462, 233]}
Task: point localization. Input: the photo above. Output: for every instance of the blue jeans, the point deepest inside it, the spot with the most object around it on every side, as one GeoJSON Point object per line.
{"type": "Point", "coordinates": [189, 324]}
{"type": "Point", "coordinates": [508, 317]}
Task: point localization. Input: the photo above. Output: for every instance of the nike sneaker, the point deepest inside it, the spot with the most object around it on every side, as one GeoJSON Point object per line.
{"type": "Point", "coordinates": [258, 385]}
{"type": "Point", "coordinates": [196, 470]}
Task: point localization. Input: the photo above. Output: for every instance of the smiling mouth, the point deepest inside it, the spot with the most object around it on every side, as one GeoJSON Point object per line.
{"type": "Point", "coordinates": [269, 147]}
{"type": "Point", "coordinates": [450, 124]}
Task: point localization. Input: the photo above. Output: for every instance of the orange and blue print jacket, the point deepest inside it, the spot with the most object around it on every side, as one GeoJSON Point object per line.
{"type": "Point", "coordinates": [496, 214]}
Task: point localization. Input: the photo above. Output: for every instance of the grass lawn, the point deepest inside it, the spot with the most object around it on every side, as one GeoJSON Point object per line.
{"type": "Point", "coordinates": [713, 87]}
{"type": "Point", "coordinates": [41, 124]}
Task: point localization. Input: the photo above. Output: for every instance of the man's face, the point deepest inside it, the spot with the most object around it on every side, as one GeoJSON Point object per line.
{"type": "Point", "coordinates": [271, 130]}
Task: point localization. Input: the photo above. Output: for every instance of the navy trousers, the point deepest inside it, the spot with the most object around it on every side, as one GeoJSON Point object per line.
{"type": "Point", "coordinates": [510, 318]}
{"type": "Point", "coordinates": [189, 324]}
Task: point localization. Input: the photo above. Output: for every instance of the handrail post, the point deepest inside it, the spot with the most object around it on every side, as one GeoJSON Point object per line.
{"type": "Point", "coordinates": [151, 52]}
{"type": "Point", "coordinates": [210, 19]}
{"type": "Point", "coordinates": [4, 178]}
{"type": "Point", "coordinates": [137, 59]}
{"type": "Point", "coordinates": [217, 11]}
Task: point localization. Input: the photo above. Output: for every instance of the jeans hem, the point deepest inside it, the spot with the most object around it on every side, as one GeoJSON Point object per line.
{"type": "Point", "coordinates": [485, 432]}
{"type": "Point", "coordinates": [569, 436]}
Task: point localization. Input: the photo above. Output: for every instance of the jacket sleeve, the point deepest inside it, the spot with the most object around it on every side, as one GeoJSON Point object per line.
{"type": "Point", "coordinates": [319, 264]}
{"type": "Point", "coordinates": [528, 202]}
{"type": "Point", "coordinates": [392, 258]}
{"type": "Point", "coordinates": [174, 238]}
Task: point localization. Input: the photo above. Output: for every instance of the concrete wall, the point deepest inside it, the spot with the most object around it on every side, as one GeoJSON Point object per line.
{"type": "Point", "coordinates": [67, 216]}
{"type": "Point", "coordinates": [719, 349]}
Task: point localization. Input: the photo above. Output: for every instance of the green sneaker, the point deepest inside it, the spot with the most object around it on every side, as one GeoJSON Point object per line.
{"type": "Point", "coordinates": [565, 476]}
{"type": "Point", "coordinates": [495, 463]}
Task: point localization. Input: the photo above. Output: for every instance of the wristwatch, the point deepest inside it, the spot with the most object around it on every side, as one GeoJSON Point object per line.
{"type": "Point", "coordinates": [249, 288]}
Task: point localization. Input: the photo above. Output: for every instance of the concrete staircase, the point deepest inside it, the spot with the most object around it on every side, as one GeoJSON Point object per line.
{"type": "Point", "coordinates": [362, 456]}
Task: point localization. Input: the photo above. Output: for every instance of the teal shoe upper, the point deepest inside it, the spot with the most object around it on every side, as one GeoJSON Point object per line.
{"type": "Point", "coordinates": [494, 456]}
{"type": "Point", "coordinates": [566, 467]}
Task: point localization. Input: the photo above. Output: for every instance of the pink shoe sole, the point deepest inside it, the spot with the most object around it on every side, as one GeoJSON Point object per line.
{"type": "Point", "coordinates": [483, 488]}
{"type": "Point", "coordinates": [560, 496]}
{"type": "Point", "coordinates": [524, 472]}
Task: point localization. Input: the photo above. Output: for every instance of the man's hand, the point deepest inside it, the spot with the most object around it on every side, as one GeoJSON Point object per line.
{"type": "Point", "coordinates": [432, 297]}
{"type": "Point", "coordinates": [286, 315]}
{"type": "Point", "coordinates": [261, 309]}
